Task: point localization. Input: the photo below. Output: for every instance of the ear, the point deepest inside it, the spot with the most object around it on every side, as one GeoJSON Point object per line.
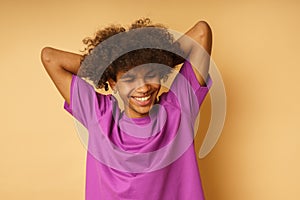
{"type": "Point", "coordinates": [112, 84]}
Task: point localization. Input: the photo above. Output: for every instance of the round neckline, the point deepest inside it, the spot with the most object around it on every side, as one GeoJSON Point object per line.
{"type": "Point", "coordinates": [139, 120]}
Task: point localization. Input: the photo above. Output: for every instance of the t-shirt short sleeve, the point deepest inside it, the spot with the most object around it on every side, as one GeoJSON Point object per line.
{"type": "Point", "coordinates": [200, 90]}
{"type": "Point", "coordinates": [86, 105]}
{"type": "Point", "coordinates": [188, 91]}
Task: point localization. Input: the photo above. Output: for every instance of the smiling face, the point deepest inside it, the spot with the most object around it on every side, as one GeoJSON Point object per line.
{"type": "Point", "coordinates": [138, 89]}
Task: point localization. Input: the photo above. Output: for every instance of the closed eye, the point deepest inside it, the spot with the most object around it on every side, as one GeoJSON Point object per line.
{"type": "Point", "coordinates": [151, 76]}
{"type": "Point", "coordinates": [127, 79]}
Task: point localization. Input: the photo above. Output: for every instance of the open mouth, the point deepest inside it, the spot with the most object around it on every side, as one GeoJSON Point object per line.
{"type": "Point", "coordinates": [142, 98]}
{"type": "Point", "coordinates": [142, 101]}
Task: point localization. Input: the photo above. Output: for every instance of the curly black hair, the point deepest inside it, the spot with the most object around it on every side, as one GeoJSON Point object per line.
{"type": "Point", "coordinates": [116, 48]}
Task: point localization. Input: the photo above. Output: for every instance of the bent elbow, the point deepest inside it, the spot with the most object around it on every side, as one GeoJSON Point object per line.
{"type": "Point", "coordinates": [203, 29]}
{"type": "Point", "coordinates": [46, 55]}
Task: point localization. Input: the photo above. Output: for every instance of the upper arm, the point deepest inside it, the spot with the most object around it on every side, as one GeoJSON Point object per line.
{"type": "Point", "coordinates": [60, 66]}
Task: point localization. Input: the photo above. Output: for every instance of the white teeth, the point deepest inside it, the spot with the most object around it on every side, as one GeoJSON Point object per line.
{"type": "Point", "coordinates": [142, 98]}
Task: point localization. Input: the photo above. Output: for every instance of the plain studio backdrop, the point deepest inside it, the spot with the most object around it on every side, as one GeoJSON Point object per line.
{"type": "Point", "coordinates": [256, 49]}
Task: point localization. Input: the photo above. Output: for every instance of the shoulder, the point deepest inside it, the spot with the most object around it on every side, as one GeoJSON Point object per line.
{"type": "Point", "coordinates": [85, 97]}
{"type": "Point", "coordinates": [169, 99]}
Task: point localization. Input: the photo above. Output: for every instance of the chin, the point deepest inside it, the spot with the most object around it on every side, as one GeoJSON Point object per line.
{"type": "Point", "coordinates": [144, 112]}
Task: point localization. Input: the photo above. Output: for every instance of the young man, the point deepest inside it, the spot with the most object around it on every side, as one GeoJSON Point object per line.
{"type": "Point", "coordinates": [145, 151]}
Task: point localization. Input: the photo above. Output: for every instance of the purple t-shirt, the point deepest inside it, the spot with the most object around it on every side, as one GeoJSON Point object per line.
{"type": "Point", "coordinates": [149, 158]}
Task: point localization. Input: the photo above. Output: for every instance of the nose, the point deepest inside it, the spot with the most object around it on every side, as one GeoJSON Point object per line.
{"type": "Point", "coordinates": [142, 86]}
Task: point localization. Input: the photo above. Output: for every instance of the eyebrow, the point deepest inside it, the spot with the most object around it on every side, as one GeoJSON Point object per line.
{"type": "Point", "coordinates": [127, 76]}
{"type": "Point", "coordinates": [151, 70]}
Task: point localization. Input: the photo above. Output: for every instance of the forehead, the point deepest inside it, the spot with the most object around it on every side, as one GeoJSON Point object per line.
{"type": "Point", "coordinates": [141, 69]}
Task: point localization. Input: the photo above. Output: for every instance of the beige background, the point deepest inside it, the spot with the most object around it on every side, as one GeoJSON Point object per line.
{"type": "Point", "coordinates": [256, 48]}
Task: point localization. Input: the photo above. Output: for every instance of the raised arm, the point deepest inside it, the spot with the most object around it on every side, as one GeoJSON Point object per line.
{"type": "Point", "coordinates": [60, 66]}
{"type": "Point", "coordinates": [200, 34]}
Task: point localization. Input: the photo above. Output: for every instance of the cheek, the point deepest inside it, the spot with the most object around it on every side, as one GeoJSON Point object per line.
{"type": "Point", "coordinates": [158, 86]}
{"type": "Point", "coordinates": [124, 90]}
{"type": "Point", "coordinates": [156, 83]}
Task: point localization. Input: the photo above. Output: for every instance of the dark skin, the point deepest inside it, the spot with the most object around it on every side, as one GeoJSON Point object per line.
{"type": "Point", "coordinates": [61, 65]}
